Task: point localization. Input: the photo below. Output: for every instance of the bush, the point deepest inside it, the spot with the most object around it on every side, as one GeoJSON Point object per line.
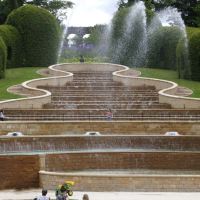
{"type": "Point", "coordinates": [40, 34]}
{"type": "Point", "coordinates": [12, 40]}
{"type": "Point", "coordinates": [162, 48]}
{"type": "Point", "coordinates": [194, 55]}
{"type": "Point", "coordinates": [3, 56]}
{"type": "Point", "coordinates": [129, 37]}
{"type": "Point", "coordinates": [118, 27]}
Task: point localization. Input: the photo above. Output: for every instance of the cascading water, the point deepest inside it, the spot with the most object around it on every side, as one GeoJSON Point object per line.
{"type": "Point", "coordinates": [171, 17]}
{"type": "Point", "coordinates": [64, 32]}
{"type": "Point", "coordinates": [131, 47]}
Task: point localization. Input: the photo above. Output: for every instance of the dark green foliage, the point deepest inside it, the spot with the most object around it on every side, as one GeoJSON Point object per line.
{"type": "Point", "coordinates": [3, 55]}
{"type": "Point", "coordinates": [182, 60]}
{"type": "Point", "coordinates": [190, 9]}
{"type": "Point", "coordinates": [162, 48]}
{"type": "Point", "coordinates": [12, 40]}
{"type": "Point", "coordinates": [57, 7]}
{"type": "Point", "coordinates": [40, 35]}
{"type": "Point", "coordinates": [194, 55]}
{"type": "Point", "coordinates": [118, 27]}
{"type": "Point", "coordinates": [126, 38]}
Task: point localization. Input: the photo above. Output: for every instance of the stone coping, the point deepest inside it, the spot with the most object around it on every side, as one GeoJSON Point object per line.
{"type": "Point", "coordinates": [59, 69]}
{"type": "Point", "coordinates": [102, 135]}
{"type": "Point", "coordinates": [100, 121]}
{"type": "Point", "coordinates": [103, 174]}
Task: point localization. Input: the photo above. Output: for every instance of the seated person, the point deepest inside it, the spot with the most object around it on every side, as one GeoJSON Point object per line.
{"type": "Point", "coordinates": [2, 116]}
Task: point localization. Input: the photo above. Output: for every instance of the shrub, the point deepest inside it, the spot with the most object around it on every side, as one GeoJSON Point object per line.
{"type": "Point", "coordinates": [118, 28]}
{"type": "Point", "coordinates": [182, 60]}
{"type": "Point", "coordinates": [3, 56]}
{"type": "Point", "coordinates": [129, 37]}
{"type": "Point", "coordinates": [162, 48]}
{"type": "Point", "coordinates": [194, 55]}
{"type": "Point", "coordinates": [12, 40]}
{"type": "Point", "coordinates": [40, 34]}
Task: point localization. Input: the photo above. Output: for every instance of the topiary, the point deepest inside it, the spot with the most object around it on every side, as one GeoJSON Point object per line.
{"type": "Point", "coordinates": [40, 34]}
{"type": "Point", "coordinates": [182, 60]}
{"type": "Point", "coordinates": [12, 40]}
{"type": "Point", "coordinates": [3, 56]}
{"type": "Point", "coordinates": [162, 47]}
{"type": "Point", "coordinates": [194, 55]}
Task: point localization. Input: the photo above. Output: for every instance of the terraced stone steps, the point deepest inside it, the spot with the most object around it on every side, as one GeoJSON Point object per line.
{"type": "Point", "coordinates": [73, 114]}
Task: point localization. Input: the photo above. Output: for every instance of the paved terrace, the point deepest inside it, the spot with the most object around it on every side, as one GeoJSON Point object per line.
{"type": "Point", "coordinates": [30, 194]}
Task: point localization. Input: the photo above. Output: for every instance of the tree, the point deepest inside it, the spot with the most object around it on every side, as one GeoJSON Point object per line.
{"type": "Point", "coordinates": [57, 7]}
{"type": "Point", "coordinates": [190, 9]}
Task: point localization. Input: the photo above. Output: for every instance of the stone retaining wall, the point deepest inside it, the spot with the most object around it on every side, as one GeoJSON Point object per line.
{"type": "Point", "coordinates": [122, 160]}
{"type": "Point", "coordinates": [133, 183]}
{"type": "Point", "coordinates": [19, 171]}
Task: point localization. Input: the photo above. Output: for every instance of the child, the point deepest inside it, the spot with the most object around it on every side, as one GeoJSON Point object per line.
{"type": "Point", "coordinates": [85, 197]}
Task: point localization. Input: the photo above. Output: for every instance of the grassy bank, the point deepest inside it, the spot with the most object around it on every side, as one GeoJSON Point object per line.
{"type": "Point", "coordinates": [171, 76]}
{"type": "Point", "coordinates": [14, 77]}
{"type": "Point", "coordinates": [19, 75]}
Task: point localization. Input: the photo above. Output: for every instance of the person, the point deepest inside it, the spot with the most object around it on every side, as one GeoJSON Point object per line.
{"type": "Point", "coordinates": [63, 194]}
{"type": "Point", "coordinates": [109, 114]}
{"type": "Point", "coordinates": [2, 116]}
{"type": "Point", "coordinates": [85, 197]}
{"type": "Point", "coordinates": [81, 59]}
{"type": "Point", "coordinates": [43, 196]}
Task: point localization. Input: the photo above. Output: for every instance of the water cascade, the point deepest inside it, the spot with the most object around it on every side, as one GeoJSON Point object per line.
{"type": "Point", "coordinates": [133, 43]}
{"type": "Point", "coordinates": [131, 47]}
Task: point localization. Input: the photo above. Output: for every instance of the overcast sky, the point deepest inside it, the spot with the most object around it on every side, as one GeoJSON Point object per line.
{"type": "Point", "coordinates": [91, 12]}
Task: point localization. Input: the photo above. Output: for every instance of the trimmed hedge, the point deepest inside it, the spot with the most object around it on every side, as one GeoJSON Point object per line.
{"type": "Point", "coordinates": [40, 34]}
{"type": "Point", "coordinates": [194, 55]}
{"type": "Point", "coordinates": [162, 48]}
{"type": "Point", "coordinates": [127, 38]}
{"type": "Point", "coordinates": [182, 60]}
{"type": "Point", "coordinates": [12, 40]}
{"type": "Point", "coordinates": [3, 56]}
{"type": "Point", "coordinates": [118, 27]}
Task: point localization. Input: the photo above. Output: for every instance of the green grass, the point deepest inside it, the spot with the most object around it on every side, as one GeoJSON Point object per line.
{"type": "Point", "coordinates": [19, 75]}
{"type": "Point", "coordinates": [171, 76]}
{"type": "Point", "coordinates": [16, 76]}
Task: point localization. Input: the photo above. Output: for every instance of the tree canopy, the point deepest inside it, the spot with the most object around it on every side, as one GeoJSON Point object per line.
{"type": "Point", "coordinates": [190, 9]}
{"type": "Point", "coordinates": [56, 7]}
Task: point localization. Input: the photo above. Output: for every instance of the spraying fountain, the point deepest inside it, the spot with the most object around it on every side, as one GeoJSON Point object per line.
{"type": "Point", "coordinates": [132, 46]}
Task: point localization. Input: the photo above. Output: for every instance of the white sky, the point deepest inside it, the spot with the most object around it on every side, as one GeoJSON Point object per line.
{"type": "Point", "coordinates": [91, 12]}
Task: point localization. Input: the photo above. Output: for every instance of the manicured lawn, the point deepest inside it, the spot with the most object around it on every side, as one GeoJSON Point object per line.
{"type": "Point", "coordinates": [171, 76]}
{"type": "Point", "coordinates": [19, 75]}
{"type": "Point", "coordinates": [16, 76]}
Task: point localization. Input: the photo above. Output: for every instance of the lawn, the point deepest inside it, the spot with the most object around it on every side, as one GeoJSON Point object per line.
{"type": "Point", "coordinates": [16, 76]}
{"type": "Point", "coordinates": [171, 76]}
{"type": "Point", "coordinates": [19, 75]}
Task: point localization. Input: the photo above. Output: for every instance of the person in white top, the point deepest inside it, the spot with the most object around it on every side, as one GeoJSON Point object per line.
{"type": "Point", "coordinates": [2, 116]}
{"type": "Point", "coordinates": [44, 196]}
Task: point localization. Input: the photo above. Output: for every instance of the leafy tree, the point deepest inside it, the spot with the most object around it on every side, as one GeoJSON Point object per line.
{"type": "Point", "coordinates": [190, 9]}
{"type": "Point", "coordinates": [56, 7]}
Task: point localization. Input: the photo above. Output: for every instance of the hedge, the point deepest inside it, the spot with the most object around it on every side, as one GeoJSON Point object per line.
{"type": "Point", "coordinates": [194, 52]}
{"type": "Point", "coordinates": [182, 60]}
{"type": "Point", "coordinates": [40, 34]}
{"type": "Point", "coordinates": [162, 48]}
{"type": "Point", "coordinates": [12, 40]}
{"type": "Point", "coordinates": [117, 31]}
{"type": "Point", "coordinates": [127, 36]}
{"type": "Point", "coordinates": [3, 56]}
